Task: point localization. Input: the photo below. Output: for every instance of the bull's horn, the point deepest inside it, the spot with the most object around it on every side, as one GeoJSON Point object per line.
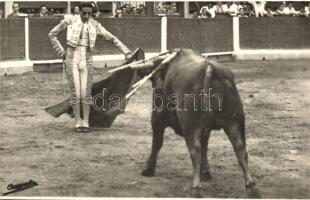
{"type": "Point", "coordinates": [131, 65]}
{"type": "Point", "coordinates": [125, 66]}
{"type": "Point", "coordinates": [148, 63]}
{"type": "Point", "coordinates": [145, 65]}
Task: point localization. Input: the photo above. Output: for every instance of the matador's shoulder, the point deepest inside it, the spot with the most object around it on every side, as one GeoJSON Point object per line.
{"type": "Point", "coordinates": [94, 22]}
{"type": "Point", "coordinates": [69, 19]}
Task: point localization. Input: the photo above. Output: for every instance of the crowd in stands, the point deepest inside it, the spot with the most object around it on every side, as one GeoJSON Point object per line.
{"type": "Point", "coordinates": [211, 10]}
{"type": "Point", "coordinates": [167, 9]}
{"type": "Point", "coordinates": [129, 10]}
{"type": "Point", "coordinates": [43, 12]}
{"type": "Point", "coordinates": [251, 8]}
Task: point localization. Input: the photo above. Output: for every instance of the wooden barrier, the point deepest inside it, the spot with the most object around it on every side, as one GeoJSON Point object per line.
{"type": "Point", "coordinates": [133, 32]}
{"type": "Point", "coordinates": [203, 35]}
{"type": "Point", "coordinates": [274, 33]}
{"type": "Point", "coordinates": [12, 39]}
{"type": "Point", "coordinates": [39, 45]}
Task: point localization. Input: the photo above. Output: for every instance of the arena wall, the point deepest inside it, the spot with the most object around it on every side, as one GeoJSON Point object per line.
{"type": "Point", "coordinates": [26, 41]}
{"type": "Point", "coordinates": [274, 33]}
{"type": "Point", "coordinates": [12, 39]}
{"type": "Point", "coordinates": [205, 36]}
{"type": "Point", "coordinates": [134, 32]}
{"type": "Point", "coordinates": [39, 46]}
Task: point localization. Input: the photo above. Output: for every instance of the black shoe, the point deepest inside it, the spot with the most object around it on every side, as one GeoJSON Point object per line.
{"type": "Point", "coordinates": [78, 129]}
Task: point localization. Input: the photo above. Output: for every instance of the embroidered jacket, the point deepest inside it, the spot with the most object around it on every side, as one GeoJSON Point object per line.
{"type": "Point", "coordinates": [73, 24]}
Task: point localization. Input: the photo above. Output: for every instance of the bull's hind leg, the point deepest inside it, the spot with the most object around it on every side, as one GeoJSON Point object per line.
{"type": "Point", "coordinates": [193, 138]}
{"type": "Point", "coordinates": [205, 174]}
{"type": "Point", "coordinates": [157, 142]}
{"type": "Point", "coordinates": [236, 134]}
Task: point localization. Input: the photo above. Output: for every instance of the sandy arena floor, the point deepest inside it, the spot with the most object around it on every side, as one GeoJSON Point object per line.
{"type": "Point", "coordinates": [33, 145]}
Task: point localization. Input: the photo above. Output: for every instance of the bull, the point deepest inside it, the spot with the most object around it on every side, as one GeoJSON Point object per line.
{"type": "Point", "coordinates": [194, 96]}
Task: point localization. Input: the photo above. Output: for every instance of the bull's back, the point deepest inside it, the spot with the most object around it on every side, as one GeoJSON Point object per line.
{"type": "Point", "coordinates": [185, 78]}
{"type": "Point", "coordinates": [184, 72]}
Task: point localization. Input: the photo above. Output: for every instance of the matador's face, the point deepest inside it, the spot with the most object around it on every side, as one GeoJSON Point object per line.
{"type": "Point", "coordinates": [86, 13]}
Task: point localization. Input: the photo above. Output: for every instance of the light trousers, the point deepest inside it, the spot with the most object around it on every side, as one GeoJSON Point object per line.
{"type": "Point", "coordinates": [79, 74]}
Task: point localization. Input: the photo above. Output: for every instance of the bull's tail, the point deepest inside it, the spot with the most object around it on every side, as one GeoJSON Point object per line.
{"type": "Point", "coordinates": [207, 84]}
{"type": "Point", "coordinates": [242, 126]}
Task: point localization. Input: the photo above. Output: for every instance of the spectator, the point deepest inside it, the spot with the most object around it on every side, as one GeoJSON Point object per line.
{"type": "Point", "coordinates": [248, 10]}
{"type": "Point", "coordinates": [173, 8]}
{"type": "Point", "coordinates": [142, 9]}
{"type": "Point", "coordinates": [203, 14]}
{"type": "Point", "coordinates": [231, 9]}
{"type": "Point", "coordinates": [124, 10]}
{"type": "Point", "coordinates": [241, 12]}
{"type": "Point", "coordinates": [220, 7]}
{"type": "Point", "coordinates": [52, 12]}
{"type": "Point", "coordinates": [210, 9]}
{"type": "Point", "coordinates": [135, 11]}
{"type": "Point", "coordinates": [43, 11]}
{"type": "Point", "coordinates": [307, 10]}
{"type": "Point", "coordinates": [239, 5]}
{"type": "Point", "coordinates": [259, 8]}
{"type": "Point", "coordinates": [269, 12]}
{"type": "Point", "coordinates": [301, 12]}
{"type": "Point", "coordinates": [15, 13]}
{"type": "Point", "coordinates": [118, 13]}
{"type": "Point", "coordinates": [57, 12]}
{"type": "Point", "coordinates": [280, 10]}
{"type": "Point", "coordinates": [128, 9]}
{"type": "Point", "coordinates": [76, 10]}
{"type": "Point", "coordinates": [195, 14]}
{"type": "Point", "coordinates": [1, 13]}
{"type": "Point", "coordinates": [289, 10]}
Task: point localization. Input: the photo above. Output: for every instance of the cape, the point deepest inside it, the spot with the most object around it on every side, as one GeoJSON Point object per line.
{"type": "Point", "coordinates": [115, 84]}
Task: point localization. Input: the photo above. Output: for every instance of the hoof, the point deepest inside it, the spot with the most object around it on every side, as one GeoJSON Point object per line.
{"type": "Point", "coordinates": [196, 192]}
{"type": "Point", "coordinates": [252, 191]}
{"type": "Point", "coordinates": [206, 176]}
{"type": "Point", "coordinates": [148, 173]}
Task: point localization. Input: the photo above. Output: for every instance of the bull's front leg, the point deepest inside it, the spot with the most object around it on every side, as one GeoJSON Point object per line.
{"type": "Point", "coordinates": [194, 147]}
{"type": "Point", "coordinates": [157, 142]}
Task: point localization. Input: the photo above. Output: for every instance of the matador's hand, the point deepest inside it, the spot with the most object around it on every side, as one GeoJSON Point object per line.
{"type": "Point", "coordinates": [63, 55]}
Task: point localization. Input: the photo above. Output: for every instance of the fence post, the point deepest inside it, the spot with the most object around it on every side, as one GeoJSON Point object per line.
{"type": "Point", "coordinates": [27, 39]}
{"type": "Point", "coordinates": [163, 33]}
{"type": "Point", "coordinates": [236, 35]}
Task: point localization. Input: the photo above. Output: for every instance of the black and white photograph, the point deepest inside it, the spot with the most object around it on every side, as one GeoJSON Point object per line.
{"type": "Point", "coordinates": [154, 99]}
